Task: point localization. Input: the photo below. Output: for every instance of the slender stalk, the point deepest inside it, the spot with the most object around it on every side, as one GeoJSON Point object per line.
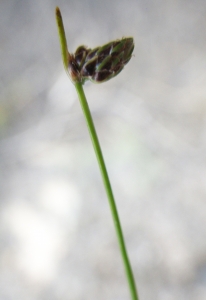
{"type": "Point", "coordinates": [108, 188]}
{"type": "Point", "coordinates": [74, 76]}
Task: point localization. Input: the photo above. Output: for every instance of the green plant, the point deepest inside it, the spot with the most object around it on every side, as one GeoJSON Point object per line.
{"type": "Point", "coordinates": [99, 65]}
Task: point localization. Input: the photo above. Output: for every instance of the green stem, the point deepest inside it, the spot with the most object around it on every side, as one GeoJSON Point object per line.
{"type": "Point", "coordinates": [62, 39]}
{"type": "Point", "coordinates": [108, 188]}
{"type": "Point", "coordinates": [66, 58]}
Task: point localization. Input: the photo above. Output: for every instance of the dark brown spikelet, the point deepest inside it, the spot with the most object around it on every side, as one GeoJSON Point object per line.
{"type": "Point", "coordinates": [103, 63]}
{"type": "Point", "coordinates": [80, 55]}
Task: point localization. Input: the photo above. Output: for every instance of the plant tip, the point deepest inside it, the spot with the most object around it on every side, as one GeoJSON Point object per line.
{"type": "Point", "coordinates": [58, 11]}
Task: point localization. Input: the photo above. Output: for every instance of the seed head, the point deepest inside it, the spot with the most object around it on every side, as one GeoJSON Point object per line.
{"type": "Point", "coordinates": [102, 63]}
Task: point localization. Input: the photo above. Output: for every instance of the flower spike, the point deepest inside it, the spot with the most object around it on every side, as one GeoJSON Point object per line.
{"type": "Point", "coordinates": [105, 62]}
{"type": "Point", "coordinates": [99, 64]}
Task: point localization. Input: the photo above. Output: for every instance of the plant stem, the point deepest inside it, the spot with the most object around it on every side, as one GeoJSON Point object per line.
{"type": "Point", "coordinates": [97, 149]}
{"type": "Point", "coordinates": [62, 39]}
{"type": "Point", "coordinates": [83, 101]}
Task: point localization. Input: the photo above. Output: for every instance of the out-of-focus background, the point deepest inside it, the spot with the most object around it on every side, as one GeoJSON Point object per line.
{"type": "Point", "coordinates": [57, 239]}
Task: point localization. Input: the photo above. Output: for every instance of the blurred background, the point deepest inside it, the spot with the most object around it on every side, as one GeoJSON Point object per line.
{"type": "Point", "coordinates": [57, 239]}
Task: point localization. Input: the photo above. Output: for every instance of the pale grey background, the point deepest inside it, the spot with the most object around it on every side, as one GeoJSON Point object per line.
{"type": "Point", "coordinates": [57, 239]}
